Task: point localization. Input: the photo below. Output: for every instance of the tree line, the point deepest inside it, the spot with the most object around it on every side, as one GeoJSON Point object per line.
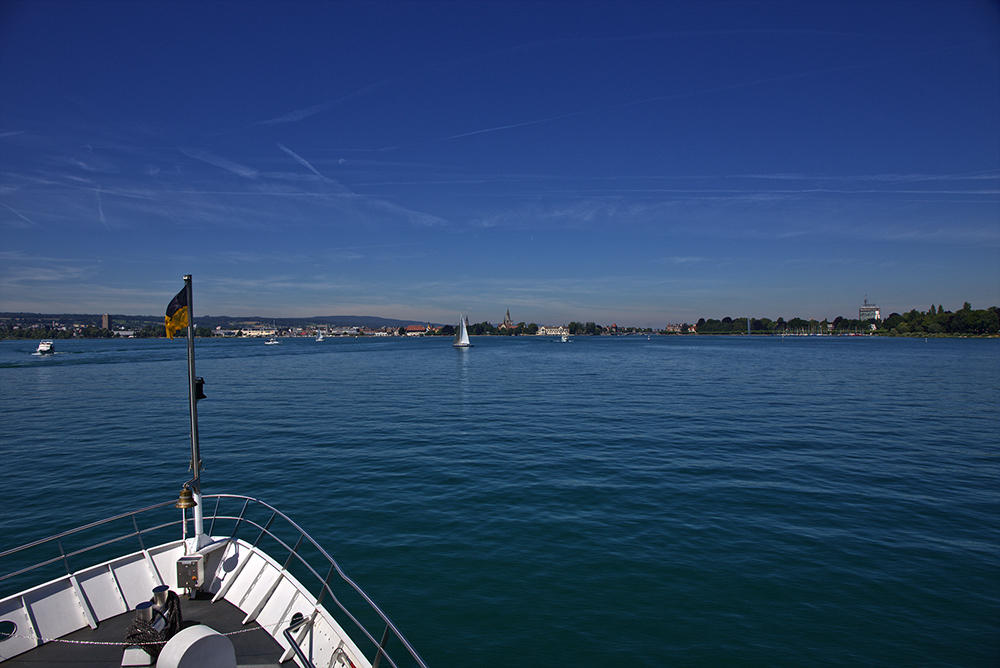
{"type": "Point", "coordinates": [485, 329]}
{"type": "Point", "coordinates": [938, 321]}
{"type": "Point", "coordinates": [9, 331]}
{"type": "Point", "coordinates": [934, 321]}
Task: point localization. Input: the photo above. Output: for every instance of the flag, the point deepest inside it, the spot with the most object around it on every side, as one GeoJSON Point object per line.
{"type": "Point", "coordinates": [177, 313]}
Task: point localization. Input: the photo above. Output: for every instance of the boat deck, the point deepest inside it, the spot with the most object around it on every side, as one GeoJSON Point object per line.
{"type": "Point", "coordinates": [254, 645]}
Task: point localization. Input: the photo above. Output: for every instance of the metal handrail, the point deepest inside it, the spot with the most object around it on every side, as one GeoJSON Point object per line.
{"type": "Point", "coordinates": [81, 528]}
{"type": "Point", "coordinates": [241, 519]}
{"type": "Point", "coordinates": [295, 626]}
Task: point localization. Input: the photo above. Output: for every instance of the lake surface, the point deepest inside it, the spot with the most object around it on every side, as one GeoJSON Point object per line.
{"type": "Point", "coordinates": [673, 501]}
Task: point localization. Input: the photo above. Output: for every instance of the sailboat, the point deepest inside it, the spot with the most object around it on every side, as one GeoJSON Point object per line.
{"type": "Point", "coordinates": [462, 335]}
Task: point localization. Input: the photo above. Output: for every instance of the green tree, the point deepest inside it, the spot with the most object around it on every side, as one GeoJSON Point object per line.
{"type": "Point", "coordinates": [796, 324]}
{"type": "Point", "coordinates": [482, 329]}
{"type": "Point", "coordinates": [892, 321]}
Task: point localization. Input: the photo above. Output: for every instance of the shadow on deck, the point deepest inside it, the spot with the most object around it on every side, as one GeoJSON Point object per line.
{"type": "Point", "coordinates": [254, 645]}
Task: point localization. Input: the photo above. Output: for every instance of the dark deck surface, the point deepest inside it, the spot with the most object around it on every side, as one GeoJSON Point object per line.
{"type": "Point", "coordinates": [253, 648]}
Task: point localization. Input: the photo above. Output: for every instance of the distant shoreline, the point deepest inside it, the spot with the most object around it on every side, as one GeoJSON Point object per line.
{"type": "Point", "coordinates": [936, 322]}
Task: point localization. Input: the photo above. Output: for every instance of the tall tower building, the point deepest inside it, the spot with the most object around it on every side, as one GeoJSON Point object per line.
{"type": "Point", "coordinates": [106, 321]}
{"type": "Point", "coordinates": [869, 312]}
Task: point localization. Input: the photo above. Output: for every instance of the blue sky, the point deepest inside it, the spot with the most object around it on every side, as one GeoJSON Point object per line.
{"type": "Point", "coordinates": [642, 163]}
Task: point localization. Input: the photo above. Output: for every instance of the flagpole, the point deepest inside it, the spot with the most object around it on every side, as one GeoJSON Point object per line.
{"type": "Point", "coordinates": [199, 528]}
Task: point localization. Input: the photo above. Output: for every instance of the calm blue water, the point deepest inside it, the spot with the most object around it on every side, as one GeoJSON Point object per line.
{"type": "Point", "coordinates": [696, 501]}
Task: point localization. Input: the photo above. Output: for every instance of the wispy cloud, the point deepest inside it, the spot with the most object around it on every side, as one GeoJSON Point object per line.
{"type": "Point", "coordinates": [25, 269]}
{"type": "Point", "coordinates": [307, 112]}
{"type": "Point", "coordinates": [100, 208]}
{"type": "Point", "coordinates": [19, 214]}
{"type": "Point", "coordinates": [223, 163]}
{"type": "Point", "coordinates": [685, 260]}
{"type": "Point", "coordinates": [302, 161]}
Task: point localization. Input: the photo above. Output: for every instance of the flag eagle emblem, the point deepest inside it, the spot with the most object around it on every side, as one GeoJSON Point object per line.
{"type": "Point", "coordinates": [177, 313]}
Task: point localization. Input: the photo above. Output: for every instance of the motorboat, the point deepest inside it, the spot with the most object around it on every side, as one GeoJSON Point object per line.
{"type": "Point", "coordinates": [45, 347]}
{"type": "Point", "coordinates": [273, 341]}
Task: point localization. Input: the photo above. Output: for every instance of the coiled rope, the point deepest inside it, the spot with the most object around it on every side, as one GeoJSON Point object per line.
{"type": "Point", "coordinates": [141, 633]}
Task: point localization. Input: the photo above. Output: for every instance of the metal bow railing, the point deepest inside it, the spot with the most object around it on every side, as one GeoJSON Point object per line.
{"type": "Point", "coordinates": [305, 558]}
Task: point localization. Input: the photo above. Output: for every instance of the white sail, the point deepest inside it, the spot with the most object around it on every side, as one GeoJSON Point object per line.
{"type": "Point", "coordinates": [462, 335]}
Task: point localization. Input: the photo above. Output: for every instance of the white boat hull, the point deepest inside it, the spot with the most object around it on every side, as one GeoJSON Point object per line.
{"type": "Point", "coordinates": [237, 574]}
{"type": "Point", "coordinates": [241, 574]}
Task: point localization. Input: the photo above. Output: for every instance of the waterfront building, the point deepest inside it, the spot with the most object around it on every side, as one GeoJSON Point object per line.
{"type": "Point", "coordinates": [869, 312]}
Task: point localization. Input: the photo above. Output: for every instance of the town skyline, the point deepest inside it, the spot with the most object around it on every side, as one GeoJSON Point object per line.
{"type": "Point", "coordinates": [867, 308]}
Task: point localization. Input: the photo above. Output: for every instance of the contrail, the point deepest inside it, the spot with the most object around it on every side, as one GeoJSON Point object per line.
{"type": "Point", "coordinates": [100, 208]}
{"type": "Point", "coordinates": [20, 215]}
{"type": "Point", "coordinates": [302, 161]}
{"type": "Point", "coordinates": [301, 114]}
{"type": "Point", "coordinates": [535, 122]}
{"type": "Point", "coordinates": [210, 158]}
{"type": "Point", "coordinates": [714, 89]}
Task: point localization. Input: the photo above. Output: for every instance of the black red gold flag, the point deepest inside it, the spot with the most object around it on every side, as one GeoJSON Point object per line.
{"type": "Point", "coordinates": [177, 313]}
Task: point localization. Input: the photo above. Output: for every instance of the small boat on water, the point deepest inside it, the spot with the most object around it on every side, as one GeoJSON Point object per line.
{"type": "Point", "coordinates": [273, 341]}
{"type": "Point", "coordinates": [214, 580]}
{"type": "Point", "coordinates": [462, 335]}
{"type": "Point", "coordinates": [45, 347]}
{"type": "Point", "coordinates": [564, 338]}
{"type": "Point", "coordinates": [319, 335]}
